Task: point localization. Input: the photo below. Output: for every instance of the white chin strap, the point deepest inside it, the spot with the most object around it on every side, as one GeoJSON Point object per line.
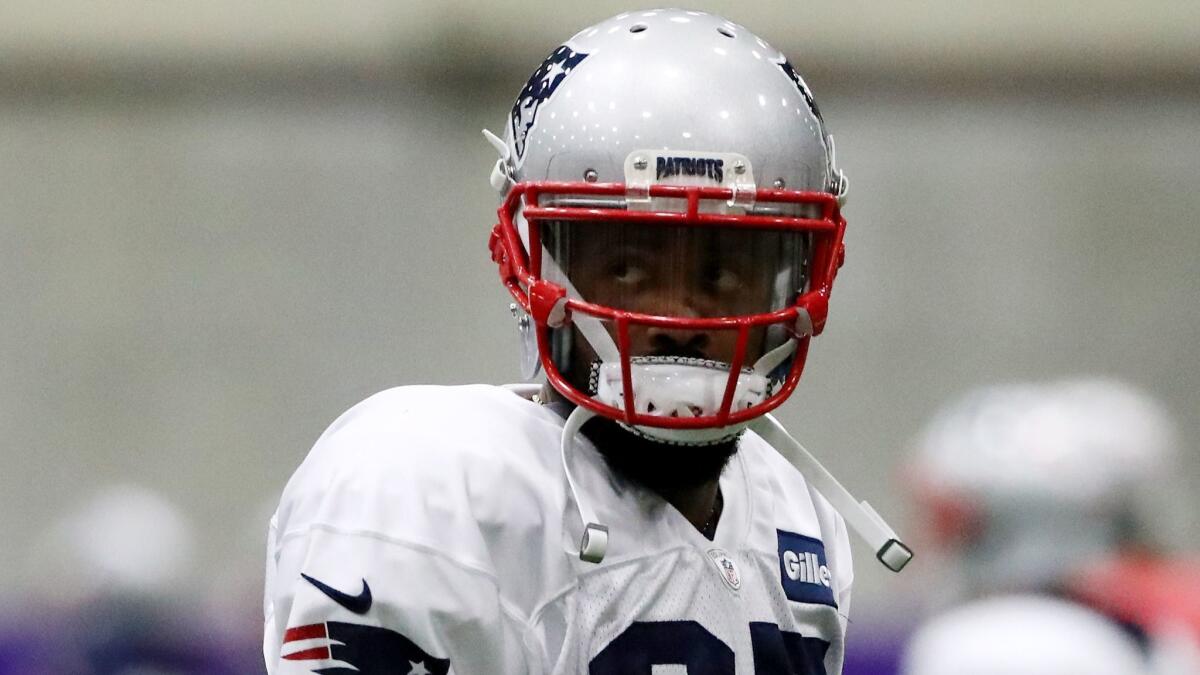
{"type": "Point", "coordinates": [594, 544]}
{"type": "Point", "coordinates": [690, 387]}
{"type": "Point", "coordinates": [860, 515]}
{"type": "Point", "coordinates": [862, 518]}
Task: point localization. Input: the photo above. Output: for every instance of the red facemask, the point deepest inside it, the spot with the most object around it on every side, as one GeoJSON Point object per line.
{"type": "Point", "coordinates": [553, 306]}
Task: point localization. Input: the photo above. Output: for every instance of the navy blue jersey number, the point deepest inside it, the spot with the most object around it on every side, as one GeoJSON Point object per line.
{"type": "Point", "coordinates": [779, 652]}
{"type": "Point", "coordinates": [646, 644]}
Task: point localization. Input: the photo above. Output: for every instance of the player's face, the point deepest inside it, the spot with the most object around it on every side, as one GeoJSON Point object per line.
{"type": "Point", "coordinates": [676, 271]}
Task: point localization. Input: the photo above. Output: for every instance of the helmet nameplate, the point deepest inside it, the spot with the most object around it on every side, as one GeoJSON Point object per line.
{"type": "Point", "coordinates": [644, 168]}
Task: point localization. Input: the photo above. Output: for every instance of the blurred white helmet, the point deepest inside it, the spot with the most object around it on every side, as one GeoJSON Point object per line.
{"type": "Point", "coordinates": [1022, 635]}
{"type": "Point", "coordinates": [1022, 483]}
{"type": "Point", "coordinates": [125, 540]}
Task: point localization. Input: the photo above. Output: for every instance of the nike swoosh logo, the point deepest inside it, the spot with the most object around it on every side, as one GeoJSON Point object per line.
{"type": "Point", "coordinates": [359, 604]}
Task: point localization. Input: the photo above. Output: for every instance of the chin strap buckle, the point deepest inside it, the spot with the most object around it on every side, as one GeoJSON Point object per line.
{"type": "Point", "coordinates": [894, 555]}
{"type": "Point", "coordinates": [594, 544]}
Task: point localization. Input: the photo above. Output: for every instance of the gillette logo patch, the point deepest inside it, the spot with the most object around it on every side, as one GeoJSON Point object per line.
{"type": "Point", "coordinates": [803, 570]}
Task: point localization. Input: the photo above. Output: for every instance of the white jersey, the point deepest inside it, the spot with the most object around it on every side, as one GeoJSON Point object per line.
{"type": "Point", "coordinates": [431, 531]}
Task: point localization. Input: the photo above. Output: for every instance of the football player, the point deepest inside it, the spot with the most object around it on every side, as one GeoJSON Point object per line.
{"type": "Point", "coordinates": [669, 231]}
{"type": "Point", "coordinates": [1022, 486]}
{"type": "Point", "coordinates": [1055, 489]}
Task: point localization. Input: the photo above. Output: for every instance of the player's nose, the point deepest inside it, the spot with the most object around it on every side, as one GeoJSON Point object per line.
{"type": "Point", "coordinates": [678, 342]}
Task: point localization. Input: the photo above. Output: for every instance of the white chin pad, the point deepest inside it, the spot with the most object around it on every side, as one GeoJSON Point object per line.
{"type": "Point", "coordinates": [675, 386]}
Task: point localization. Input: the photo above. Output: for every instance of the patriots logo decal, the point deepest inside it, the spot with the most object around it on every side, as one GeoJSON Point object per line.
{"type": "Point", "coordinates": [788, 70]}
{"type": "Point", "coordinates": [353, 649]}
{"type": "Point", "coordinates": [538, 90]}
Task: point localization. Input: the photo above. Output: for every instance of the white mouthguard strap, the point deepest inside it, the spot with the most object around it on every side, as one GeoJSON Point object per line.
{"type": "Point", "coordinates": [862, 518]}
{"type": "Point", "coordinates": [768, 362]}
{"type": "Point", "coordinates": [589, 326]}
{"type": "Point", "coordinates": [594, 543]}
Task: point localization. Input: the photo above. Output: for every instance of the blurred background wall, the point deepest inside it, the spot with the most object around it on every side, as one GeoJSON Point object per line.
{"type": "Point", "coordinates": [223, 223]}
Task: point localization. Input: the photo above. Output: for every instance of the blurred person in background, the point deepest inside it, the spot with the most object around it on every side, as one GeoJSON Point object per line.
{"type": "Point", "coordinates": [667, 281]}
{"type": "Point", "coordinates": [1022, 635]}
{"type": "Point", "coordinates": [114, 595]}
{"type": "Point", "coordinates": [1055, 489]}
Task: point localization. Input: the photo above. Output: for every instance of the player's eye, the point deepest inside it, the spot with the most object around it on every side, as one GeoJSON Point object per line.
{"type": "Point", "coordinates": [720, 279]}
{"type": "Point", "coordinates": [627, 273]}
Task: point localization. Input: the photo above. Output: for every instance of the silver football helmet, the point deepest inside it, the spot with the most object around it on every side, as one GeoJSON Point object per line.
{"type": "Point", "coordinates": [684, 157]}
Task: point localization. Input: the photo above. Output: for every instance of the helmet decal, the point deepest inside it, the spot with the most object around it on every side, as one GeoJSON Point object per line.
{"type": "Point", "coordinates": [788, 70]}
{"type": "Point", "coordinates": [710, 167]}
{"type": "Point", "coordinates": [540, 87]}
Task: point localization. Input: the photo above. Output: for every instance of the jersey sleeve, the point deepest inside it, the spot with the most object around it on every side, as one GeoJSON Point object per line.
{"type": "Point", "coordinates": [376, 563]}
{"type": "Point", "coordinates": [357, 601]}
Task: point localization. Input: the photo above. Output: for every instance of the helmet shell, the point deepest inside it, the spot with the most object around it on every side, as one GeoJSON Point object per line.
{"type": "Point", "coordinates": [667, 79]}
{"type": "Point", "coordinates": [614, 126]}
